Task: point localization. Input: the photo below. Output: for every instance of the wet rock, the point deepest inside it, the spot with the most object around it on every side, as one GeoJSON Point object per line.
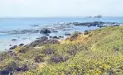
{"type": "Point", "coordinates": [50, 36]}
{"type": "Point", "coordinates": [37, 38]}
{"type": "Point", "coordinates": [21, 44]}
{"type": "Point", "coordinates": [11, 48]}
{"type": "Point", "coordinates": [14, 39]}
{"type": "Point", "coordinates": [95, 23]}
{"type": "Point", "coordinates": [36, 31]}
{"type": "Point", "coordinates": [54, 31]}
{"type": "Point", "coordinates": [43, 38]}
{"type": "Point", "coordinates": [55, 37]}
{"type": "Point", "coordinates": [34, 25]}
{"type": "Point", "coordinates": [61, 36]}
{"type": "Point", "coordinates": [45, 31]}
{"type": "Point", "coordinates": [67, 34]}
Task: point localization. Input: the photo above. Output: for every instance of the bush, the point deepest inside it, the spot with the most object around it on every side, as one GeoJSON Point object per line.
{"type": "Point", "coordinates": [48, 51]}
{"type": "Point", "coordinates": [58, 59]}
{"type": "Point", "coordinates": [38, 59]}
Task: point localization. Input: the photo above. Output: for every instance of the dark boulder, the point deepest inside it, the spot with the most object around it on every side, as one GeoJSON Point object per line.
{"type": "Point", "coordinates": [55, 31]}
{"type": "Point", "coordinates": [21, 44]}
{"type": "Point", "coordinates": [67, 34]}
{"type": "Point", "coordinates": [22, 51]}
{"type": "Point", "coordinates": [39, 41]}
{"type": "Point", "coordinates": [85, 32]}
{"type": "Point", "coordinates": [14, 39]}
{"type": "Point", "coordinates": [55, 37]}
{"type": "Point", "coordinates": [50, 36]}
{"type": "Point", "coordinates": [61, 36]}
{"type": "Point", "coordinates": [11, 48]}
{"type": "Point", "coordinates": [43, 40]}
{"type": "Point", "coordinates": [6, 73]}
{"type": "Point", "coordinates": [45, 31]}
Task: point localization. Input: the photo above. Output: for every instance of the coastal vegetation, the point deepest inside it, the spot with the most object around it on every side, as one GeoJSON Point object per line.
{"type": "Point", "coordinates": [94, 52]}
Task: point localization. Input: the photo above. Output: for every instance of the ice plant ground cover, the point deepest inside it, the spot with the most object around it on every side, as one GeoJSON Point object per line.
{"type": "Point", "coordinates": [100, 52]}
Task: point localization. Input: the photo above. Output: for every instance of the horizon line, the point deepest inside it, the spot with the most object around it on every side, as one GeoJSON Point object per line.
{"type": "Point", "coordinates": [59, 17]}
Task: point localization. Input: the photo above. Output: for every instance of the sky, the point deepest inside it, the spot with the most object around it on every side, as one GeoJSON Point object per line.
{"type": "Point", "coordinates": [60, 8]}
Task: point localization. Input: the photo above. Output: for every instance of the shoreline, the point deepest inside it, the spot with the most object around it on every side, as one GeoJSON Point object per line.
{"type": "Point", "coordinates": [26, 36]}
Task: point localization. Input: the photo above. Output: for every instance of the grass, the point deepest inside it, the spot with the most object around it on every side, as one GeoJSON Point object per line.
{"type": "Point", "coordinates": [100, 52]}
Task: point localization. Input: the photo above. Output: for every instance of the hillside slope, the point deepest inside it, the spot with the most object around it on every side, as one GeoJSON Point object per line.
{"type": "Point", "coordinates": [100, 52]}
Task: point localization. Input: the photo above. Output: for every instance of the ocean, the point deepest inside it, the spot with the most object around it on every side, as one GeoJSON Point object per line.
{"type": "Point", "coordinates": [8, 24]}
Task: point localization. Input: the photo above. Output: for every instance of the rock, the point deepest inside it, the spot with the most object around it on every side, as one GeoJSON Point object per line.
{"type": "Point", "coordinates": [11, 48]}
{"type": "Point", "coordinates": [14, 39]}
{"type": "Point", "coordinates": [37, 38]}
{"type": "Point", "coordinates": [36, 31]}
{"type": "Point", "coordinates": [22, 51]}
{"type": "Point", "coordinates": [34, 25]}
{"type": "Point", "coordinates": [50, 36]}
{"type": "Point", "coordinates": [43, 40]}
{"type": "Point", "coordinates": [98, 16]}
{"type": "Point", "coordinates": [6, 73]}
{"type": "Point", "coordinates": [95, 23]}
{"type": "Point", "coordinates": [21, 44]}
{"type": "Point", "coordinates": [39, 41]}
{"type": "Point", "coordinates": [61, 36]}
{"type": "Point", "coordinates": [85, 32]}
{"type": "Point", "coordinates": [55, 31]}
{"type": "Point", "coordinates": [45, 31]}
{"type": "Point", "coordinates": [55, 37]}
{"type": "Point", "coordinates": [67, 34]}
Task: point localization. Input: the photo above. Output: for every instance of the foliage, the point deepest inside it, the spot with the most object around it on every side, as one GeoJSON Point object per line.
{"type": "Point", "coordinates": [100, 52]}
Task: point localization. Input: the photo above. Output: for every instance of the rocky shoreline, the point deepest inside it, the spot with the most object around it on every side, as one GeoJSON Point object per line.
{"type": "Point", "coordinates": [62, 26]}
{"type": "Point", "coordinates": [47, 38]}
